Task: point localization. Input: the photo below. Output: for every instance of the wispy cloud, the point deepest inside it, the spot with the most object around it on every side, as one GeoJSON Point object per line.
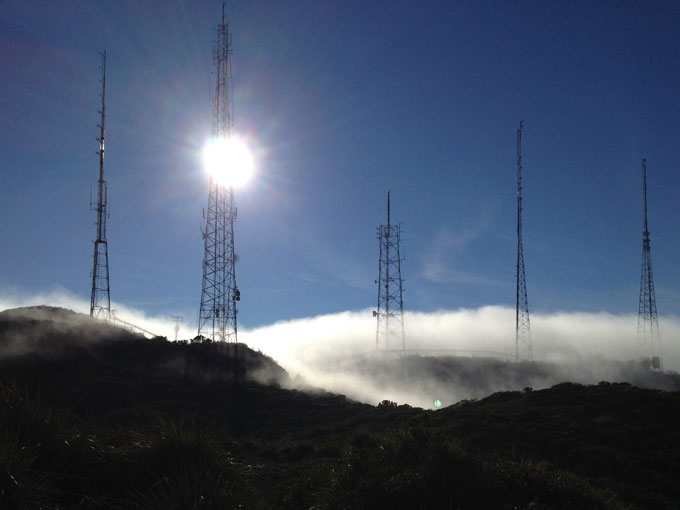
{"type": "Point", "coordinates": [440, 259]}
{"type": "Point", "coordinates": [447, 240]}
{"type": "Point", "coordinates": [440, 273]}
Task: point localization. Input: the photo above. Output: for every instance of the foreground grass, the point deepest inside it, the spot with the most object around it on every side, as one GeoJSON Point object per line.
{"type": "Point", "coordinates": [369, 458]}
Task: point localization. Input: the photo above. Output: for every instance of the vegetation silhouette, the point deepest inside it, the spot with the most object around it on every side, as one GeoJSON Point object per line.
{"type": "Point", "coordinates": [96, 417]}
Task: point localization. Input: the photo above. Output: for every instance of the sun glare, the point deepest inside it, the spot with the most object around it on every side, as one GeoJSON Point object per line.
{"type": "Point", "coordinates": [228, 161]}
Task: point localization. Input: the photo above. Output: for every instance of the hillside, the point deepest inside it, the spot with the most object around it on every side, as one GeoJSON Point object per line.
{"type": "Point", "coordinates": [94, 417]}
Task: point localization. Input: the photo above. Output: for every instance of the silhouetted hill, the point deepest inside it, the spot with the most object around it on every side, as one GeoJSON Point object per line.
{"type": "Point", "coordinates": [65, 337]}
{"type": "Point", "coordinates": [94, 417]}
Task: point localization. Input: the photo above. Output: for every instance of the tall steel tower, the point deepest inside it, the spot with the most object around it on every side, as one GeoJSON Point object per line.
{"type": "Point", "coordinates": [523, 347]}
{"type": "Point", "coordinates": [649, 340]}
{"type": "Point", "coordinates": [217, 317]}
{"type": "Point", "coordinates": [100, 303]}
{"type": "Point", "coordinates": [389, 335]}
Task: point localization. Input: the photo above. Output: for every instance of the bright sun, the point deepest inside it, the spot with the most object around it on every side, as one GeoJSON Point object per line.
{"type": "Point", "coordinates": [228, 161]}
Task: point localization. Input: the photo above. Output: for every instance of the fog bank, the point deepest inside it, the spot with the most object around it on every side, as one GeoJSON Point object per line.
{"type": "Point", "coordinates": [337, 351]}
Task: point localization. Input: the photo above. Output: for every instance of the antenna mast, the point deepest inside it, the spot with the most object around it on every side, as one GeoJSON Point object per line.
{"type": "Point", "coordinates": [177, 320]}
{"type": "Point", "coordinates": [389, 334]}
{"type": "Point", "coordinates": [649, 340]}
{"type": "Point", "coordinates": [523, 346]}
{"type": "Point", "coordinates": [217, 316]}
{"type": "Point", "coordinates": [100, 302]}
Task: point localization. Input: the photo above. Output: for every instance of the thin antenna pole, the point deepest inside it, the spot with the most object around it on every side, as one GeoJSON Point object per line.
{"type": "Point", "coordinates": [523, 345]}
{"type": "Point", "coordinates": [649, 339]}
{"type": "Point", "coordinates": [388, 208]}
{"type": "Point", "coordinates": [387, 236]}
{"type": "Point", "coordinates": [102, 135]}
{"type": "Point", "coordinates": [519, 233]}
{"type": "Point", "coordinates": [100, 301]}
{"type": "Point", "coordinates": [177, 319]}
{"type": "Point", "coordinates": [644, 191]}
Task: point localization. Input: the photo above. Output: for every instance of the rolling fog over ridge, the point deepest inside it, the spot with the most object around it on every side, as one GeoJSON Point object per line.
{"type": "Point", "coordinates": [335, 352]}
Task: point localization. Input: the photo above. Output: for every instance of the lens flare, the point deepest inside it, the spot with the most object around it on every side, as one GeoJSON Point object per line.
{"type": "Point", "coordinates": [228, 161]}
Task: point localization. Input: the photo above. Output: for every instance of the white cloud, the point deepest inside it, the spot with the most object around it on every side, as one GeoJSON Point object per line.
{"type": "Point", "coordinates": [447, 240]}
{"type": "Point", "coordinates": [440, 273]}
{"type": "Point", "coordinates": [558, 337]}
{"type": "Point", "coordinates": [585, 346]}
{"type": "Point", "coordinates": [437, 262]}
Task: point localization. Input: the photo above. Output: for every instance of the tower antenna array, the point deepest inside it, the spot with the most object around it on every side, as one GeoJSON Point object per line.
{"type": "Point", "coordinates": [389, 334]}
{"type": "Point", "coordinates": [649, 340]}
{"type": "Point", "coordinates": [523, 346]}
{"type": "Point", "coordinates": [100, 302]}
{"type": "Point", "coordinates": [217, 317]}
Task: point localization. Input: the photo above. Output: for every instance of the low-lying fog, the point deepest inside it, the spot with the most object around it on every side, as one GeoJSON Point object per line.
{"type": "Point", "coordinates": [336, 352]}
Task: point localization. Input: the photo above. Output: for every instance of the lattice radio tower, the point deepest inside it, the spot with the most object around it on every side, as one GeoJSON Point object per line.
{"type": "Point", "coordinates": [649, 340]}
{"type": "Point", "coordinates": [523, 346]}
{"type": "Point", "coordinates": [217, 317]}
{"type": "Point", "coordinates": [389, 334]}
{"type": "Point", "coordinates": [100, 303]}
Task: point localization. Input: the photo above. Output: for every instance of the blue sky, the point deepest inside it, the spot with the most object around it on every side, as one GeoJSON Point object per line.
{"type": "Point", "coordinates": [343, 101]}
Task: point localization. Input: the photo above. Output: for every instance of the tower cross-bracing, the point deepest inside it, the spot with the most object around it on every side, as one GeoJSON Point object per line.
{"type": "Point", "coordinates": [649, 340]}
{"type": "Point", "coordinates": [389, 334]}
{"type": "Point", "coordinates": [523, 345]}
{"type": "Point", "coordinates": [217, 317]}
{"type": "Point", "coordinates": [100, 302]}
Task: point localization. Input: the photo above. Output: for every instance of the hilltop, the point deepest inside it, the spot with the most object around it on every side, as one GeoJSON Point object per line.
{"type": "Point", "coordinates": [47, 333]}
{"type": "Point", "coordinates": [95, 417]}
